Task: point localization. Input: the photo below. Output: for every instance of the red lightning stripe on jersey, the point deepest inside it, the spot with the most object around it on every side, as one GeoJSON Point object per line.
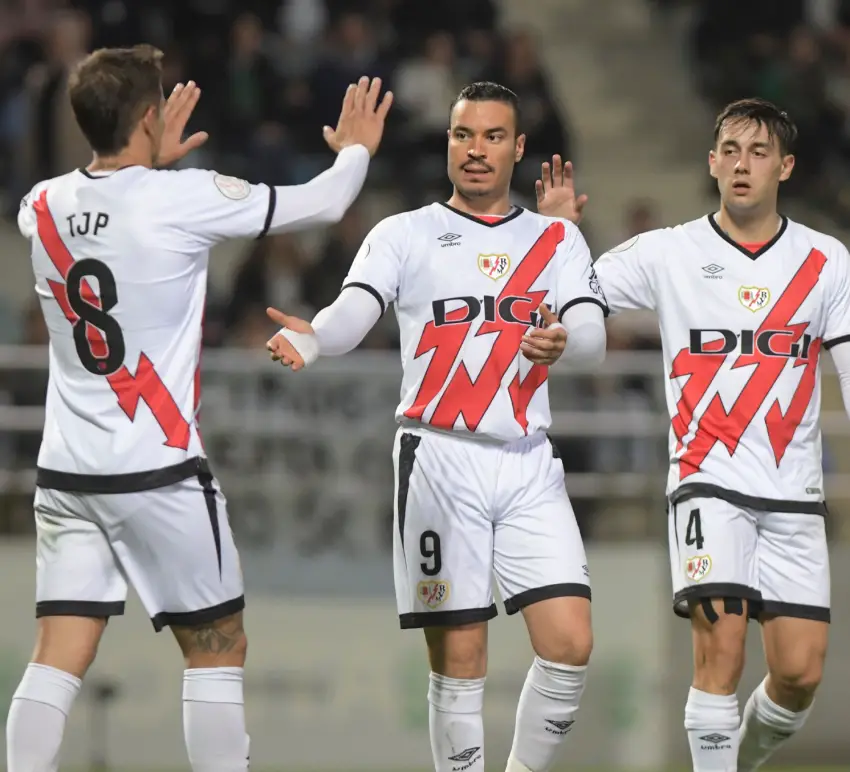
{"type": "Point", "coordinates": [471, 399]}
{"type": "Point", "coordinates": [146, 384]}
{"type": "Point", "coordinates": [716, 425]}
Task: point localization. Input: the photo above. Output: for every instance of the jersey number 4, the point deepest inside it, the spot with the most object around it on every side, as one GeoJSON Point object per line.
{"type": "Point", "coordinates": [98, 337]}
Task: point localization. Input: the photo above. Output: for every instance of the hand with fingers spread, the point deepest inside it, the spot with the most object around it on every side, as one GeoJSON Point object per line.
{"type": "Point", "coordinates": [176, 113]}
{"type": "Point", "coordinates": [295, 346]}
{"type": "Point", "coordinates": [544, 345]}
{"type": "Point", "coordinates": [361, 121]}
{"type": "Point", "coordinates": [556, 193]}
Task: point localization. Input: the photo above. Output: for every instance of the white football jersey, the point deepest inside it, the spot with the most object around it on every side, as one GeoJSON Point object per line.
{"type": "Point", "coordinates": [120, 262]}
{"type": "Point", "coordinates": [466, 289]}
{"type": "Point", "coordinates": [742, 328]}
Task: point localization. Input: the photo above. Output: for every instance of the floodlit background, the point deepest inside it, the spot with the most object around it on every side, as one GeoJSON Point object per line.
{"type": "Point", "coordinates": [627, 89]}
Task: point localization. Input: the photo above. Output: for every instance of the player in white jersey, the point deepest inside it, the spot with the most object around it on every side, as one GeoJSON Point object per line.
{"type": "Point", "coordinates": [746, 301]}
{"type": "Point", "coordinates": [488, 296]}
{"type": "Point", "coordinates": [120, 252]}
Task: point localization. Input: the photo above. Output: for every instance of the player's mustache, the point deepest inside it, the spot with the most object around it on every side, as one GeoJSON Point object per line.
{"type": "Point", "coordinates": [477, 164]}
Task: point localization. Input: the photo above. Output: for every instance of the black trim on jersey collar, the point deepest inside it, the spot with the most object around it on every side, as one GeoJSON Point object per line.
{"type": "Point", "coordinates": [752, 255]}
{"type": "Point", "coordinates": [91, 176]}
{"type": "Point", "coordinates": [517, 211]}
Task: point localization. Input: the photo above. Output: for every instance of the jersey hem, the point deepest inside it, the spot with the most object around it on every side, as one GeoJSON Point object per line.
{"type": "Point", "coordinates": [370, 289]}
{"type": "Point", "coordinates": [466, 616]}
{"type": "Point", "coordinates": [575, 301]}
{"type": "Point", "coordinates": [204, 616]}
{"type": "Point", "coordinates": [79, 608]}
{"type": "Point", "coordinates": [132, 482]}
{"type": "Point", "coordinates": [690, 491]}
{"type": "Point", "coordinates": [523, 599]}
{"type": "Point", "coordinates": [832, 342]}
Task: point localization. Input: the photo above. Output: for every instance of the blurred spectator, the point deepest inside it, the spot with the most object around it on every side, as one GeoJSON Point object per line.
{"type": "Point", "coordinates": [53, 139]}
{"type": "Point", "coordinates": [545, 129]}
{"type": "Point", "coordinates": [269, 276]}
{"type": "Point", "coordinates": [273, 72]}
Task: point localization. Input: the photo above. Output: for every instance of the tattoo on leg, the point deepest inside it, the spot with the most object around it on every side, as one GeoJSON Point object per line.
{"type": "Point", "coordinates": [218, 639]}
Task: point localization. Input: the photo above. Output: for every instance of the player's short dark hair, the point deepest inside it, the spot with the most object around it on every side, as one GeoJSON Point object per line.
{"type": "Point", "coordinates": [110, 91]}
{"type": "Point", "coordinates": [763, 113]}
{"type": "Point", "coordinates": [487, 91]}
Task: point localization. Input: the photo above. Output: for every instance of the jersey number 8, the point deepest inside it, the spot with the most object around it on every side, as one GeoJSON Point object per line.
{"type": "Point", "coordinates": [90, 314]}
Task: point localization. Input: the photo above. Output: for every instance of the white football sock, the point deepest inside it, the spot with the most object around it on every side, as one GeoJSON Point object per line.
{"type": "Point", "coordinates": [214, 719]}
{"type": "Point", "coordinates": [765, 728]}
{"type": "Point", "coordinates": [712, 722]}
{"type": "Point", "coordinates": [456, 724]}
{"type": "Point", "coordinates": [36, 719]}
{"type": "Point", "coordinates": [547, 709]}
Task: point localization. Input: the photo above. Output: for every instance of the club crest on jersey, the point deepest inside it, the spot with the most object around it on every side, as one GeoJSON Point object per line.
{"type": "Point", "coordinates": [494, 266]}
{"type": "Point", "coordinates": [698, 567]}
{"type": "Point", "coordinates": [754, 298]}
{"type": "Point", "coordinates": [433, 593]}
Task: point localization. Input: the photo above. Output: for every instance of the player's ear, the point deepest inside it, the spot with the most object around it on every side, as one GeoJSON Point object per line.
{"type": "Point", "coordinates": [520, 148]}
{"type": "Point", "coordinates": [712, 161]}
{"type": "Point", "coordinates": [788, 162]}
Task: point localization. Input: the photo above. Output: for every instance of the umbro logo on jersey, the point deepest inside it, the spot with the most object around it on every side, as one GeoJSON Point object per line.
{"type": "Point", "coordinates": [449, 239]}
{"type": "Point", "coordinates": [712, 270]}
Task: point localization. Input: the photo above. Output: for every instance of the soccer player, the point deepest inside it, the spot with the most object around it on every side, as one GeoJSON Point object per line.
{"type": "Point", "coordinates": [124, 493]}
{"type": "Point", "coordinates": [488, 297]}
{"type": "Point", "coordinates": [746, 301]}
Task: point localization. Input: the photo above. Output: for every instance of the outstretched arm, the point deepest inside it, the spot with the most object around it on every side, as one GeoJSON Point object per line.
{"type": "Point", "coordinates": [334, 331]}
{"type": "Point", "coordinates": [371, 285]}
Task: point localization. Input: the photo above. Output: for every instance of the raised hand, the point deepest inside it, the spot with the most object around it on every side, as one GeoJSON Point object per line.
{"type": "Point", "coordinates": [281, 349]}
{"type": "Point", "coordinates": [556, 193]}
{"type": "Point", "coordinates": [544, 346]}
{"type": "Point", "coordinates": [178, 109]}
{"type": "Point", "coordinates": [361, 121]}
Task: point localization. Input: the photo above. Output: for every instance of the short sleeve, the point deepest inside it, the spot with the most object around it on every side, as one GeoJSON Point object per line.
{"type": "Point", "coordinates": [210, 208]}
{"type": "Point", "coordinates": [626, 273]}
{"type": "Point", "coordinates": [27, 221]}
{"type": "Point", "coordinates": [837, 328]}
{"type": "Point", "coordinates": [377, 266]}
{"type": "Point", "coordinates": [577, 280]}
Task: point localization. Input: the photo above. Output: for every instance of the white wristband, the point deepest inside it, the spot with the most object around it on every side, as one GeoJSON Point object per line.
{"type": "Point", "coordinates": [305, 343]}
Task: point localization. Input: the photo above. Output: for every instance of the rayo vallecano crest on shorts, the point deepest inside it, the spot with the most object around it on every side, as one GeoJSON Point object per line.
{"type": "Point", "coordinates": [754, 298]}
{"type": "Point", "coordinates": [697, 567]}
{"type": "Point", "coordinates": [494, 266]}
{"type": "Point", "coordinates": [433, 593]}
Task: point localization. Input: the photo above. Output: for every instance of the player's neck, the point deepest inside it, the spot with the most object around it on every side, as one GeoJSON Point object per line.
{"type": "Point", "coordinates": [758, 228]}
{"type": "Point", "coordinates": [130, 156]}
{"type": "Point", "coordinates": [480, 206]}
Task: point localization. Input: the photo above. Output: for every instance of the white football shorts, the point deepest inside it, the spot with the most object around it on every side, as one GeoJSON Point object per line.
{"type": "Point", "coordinates": [173, 544]}
{"type": "Point", "coordinates": [778, 561]}
{"type": "Point", "coordinates": [466, 509]}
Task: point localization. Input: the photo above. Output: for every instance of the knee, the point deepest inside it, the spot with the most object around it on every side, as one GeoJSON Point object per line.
{"type": "Point", "coordinates": [797, 681]}
{"type": "Point", "coordinates": [571, 647]}
{"type": "Point", "coordinates": [458, 652]}
{"type": "Point", "coordinates": [561, 631]}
